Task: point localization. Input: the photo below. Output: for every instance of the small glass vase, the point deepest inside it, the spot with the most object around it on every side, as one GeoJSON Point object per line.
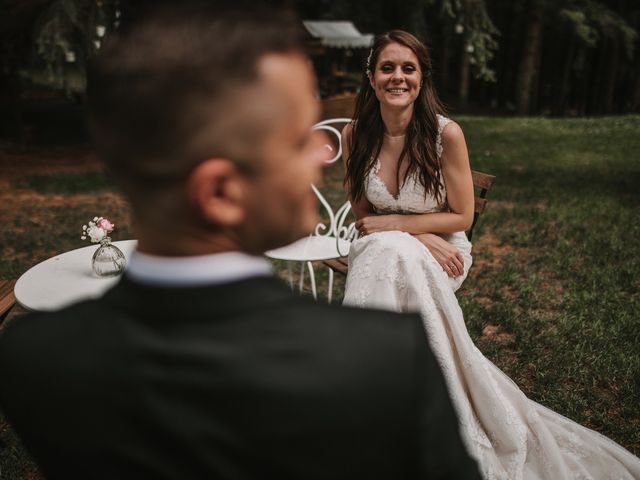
{"type": "Point", "coordinates": [108, 260]}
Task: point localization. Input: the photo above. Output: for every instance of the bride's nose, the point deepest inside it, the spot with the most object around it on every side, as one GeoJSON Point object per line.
{"type": "Point", "coordinates": [397, 75]}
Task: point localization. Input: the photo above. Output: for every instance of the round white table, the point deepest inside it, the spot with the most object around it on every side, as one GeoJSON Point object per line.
{"type": "Point", "coordinates": [310, 249]}
{"type": "Point", "coordinates": [65, 279]}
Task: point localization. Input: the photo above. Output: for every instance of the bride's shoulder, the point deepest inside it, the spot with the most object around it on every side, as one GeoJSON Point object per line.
{"type": "Point", "coordinates": [450, 131]}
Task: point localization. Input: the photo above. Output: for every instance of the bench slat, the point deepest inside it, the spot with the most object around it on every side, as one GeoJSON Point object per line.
{"type": "Point", "coordinates": [7, 298]}
{"type": "Point", "coordinates": [479, 204]}
{"type": "Point", "coordinates": [482, 180]}
{"type": "Point", "coordinates": [340, 265]}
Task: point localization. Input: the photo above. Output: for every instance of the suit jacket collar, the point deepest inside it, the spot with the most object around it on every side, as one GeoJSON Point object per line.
{"type": "Point", "coordinates": [195, 271]}
{"type": "Point", "coordinates": [229, 298]}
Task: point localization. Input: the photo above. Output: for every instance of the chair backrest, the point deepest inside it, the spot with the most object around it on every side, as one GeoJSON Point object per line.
{"type": "Point", "coordinates": [344, 234]}
{"type": "Point", "coordinates": [483, 183]}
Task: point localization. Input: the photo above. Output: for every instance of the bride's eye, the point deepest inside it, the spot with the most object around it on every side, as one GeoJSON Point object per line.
{"type": "Point", "coordinates": [386, 68]}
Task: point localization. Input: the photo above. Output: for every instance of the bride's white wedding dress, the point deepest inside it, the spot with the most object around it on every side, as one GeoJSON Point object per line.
{"type": "Point", "coordinates": [511, 436]}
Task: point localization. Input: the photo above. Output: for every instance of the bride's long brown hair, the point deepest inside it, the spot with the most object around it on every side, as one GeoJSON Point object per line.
{"type": "Point", "coordinates": [420, 140]}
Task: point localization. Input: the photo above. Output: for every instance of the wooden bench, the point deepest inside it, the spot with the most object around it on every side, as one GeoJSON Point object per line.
{"type": "Point", "coordinates": [482, 182]}
{"type": "Point", "coordinates": [7, 298]}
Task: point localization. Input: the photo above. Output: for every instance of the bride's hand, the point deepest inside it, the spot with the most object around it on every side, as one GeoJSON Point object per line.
{"type": "Point", "coordinates": [448, 256]}
{"type": "Point", "coordinates": [379, 223]}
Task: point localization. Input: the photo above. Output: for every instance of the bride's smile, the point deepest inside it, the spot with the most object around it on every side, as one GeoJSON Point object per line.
{"type": "Point", "coordinates": [397, 76]}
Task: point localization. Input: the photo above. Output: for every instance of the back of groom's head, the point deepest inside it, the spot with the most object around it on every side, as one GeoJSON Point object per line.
{"type": "Point", "coordinates": [156, 83]}
{"type": "Point", "coordinates": [186, 84]}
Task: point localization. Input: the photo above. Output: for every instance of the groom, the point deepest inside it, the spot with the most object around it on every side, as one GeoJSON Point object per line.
{"type": "Point", "coordinates": [199, 364]}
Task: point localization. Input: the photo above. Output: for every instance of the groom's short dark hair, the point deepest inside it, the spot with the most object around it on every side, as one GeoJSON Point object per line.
{"type": "Point", "coordinates": [168, 90]}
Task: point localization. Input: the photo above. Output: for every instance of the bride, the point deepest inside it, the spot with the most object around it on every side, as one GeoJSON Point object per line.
{"type": "Point", "coordinates": [409, 182]}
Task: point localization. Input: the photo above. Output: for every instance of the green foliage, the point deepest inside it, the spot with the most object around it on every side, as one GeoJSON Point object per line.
{"type": "Point", "coordinates": [66, 35]}
{"type": "Point", "coordinates": [578, 20]}
{"type": "Point", "coordinates": [613, 25]}
{"type": "Point", "coordinates": [471, 18]}
{"type": "Point", "coordinates": [53, 40]}
{"type": "Point", "coordinates": [591, 20]}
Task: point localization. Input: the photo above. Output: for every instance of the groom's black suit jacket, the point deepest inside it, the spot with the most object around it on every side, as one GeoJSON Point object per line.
{"type": "Point", "coordinates": [242, 380]}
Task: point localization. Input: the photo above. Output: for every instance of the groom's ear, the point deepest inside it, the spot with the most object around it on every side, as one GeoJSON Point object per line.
{"type": "Point", "coordinates": [216, 191]}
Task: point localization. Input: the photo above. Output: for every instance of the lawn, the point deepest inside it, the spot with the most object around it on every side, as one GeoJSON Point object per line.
{"type": "Point", "coordinates": [553, 297]}
{"type": "Point", "coordinates": [556, 284]}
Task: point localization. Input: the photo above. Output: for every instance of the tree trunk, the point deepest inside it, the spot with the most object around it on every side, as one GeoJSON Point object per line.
{"type": "Point", "coordinates": [510, 20]}
{"type": "Point", "coordinates": [530, 56]}
{"type": "Point", "coordinates": [611, 75]}
{"type": "Point", "coordinates": [585, 79]}
{"type": "Point", "coordinates": [445, 54]}
{"type": "Point", "coordinates": [560, 102]}
{"type": "Point", "coordinates": [635, 102]}
{"type": "Point", "coordinates": [465, 70]}
{"type": "Point", "coordinates": [11, 103]}
{"type": "Point", "coordinates": [536, 82]}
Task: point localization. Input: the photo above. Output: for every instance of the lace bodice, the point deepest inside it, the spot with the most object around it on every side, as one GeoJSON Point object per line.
{"type": "Point", "coordinates": [411, 198]}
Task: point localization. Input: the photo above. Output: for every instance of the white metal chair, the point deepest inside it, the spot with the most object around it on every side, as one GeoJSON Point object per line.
{"type": "Point", "coordinates": [330, 239]}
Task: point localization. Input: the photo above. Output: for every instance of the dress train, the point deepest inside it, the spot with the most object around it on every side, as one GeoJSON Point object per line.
{"type": "Point", "coordinates": [511, 436]}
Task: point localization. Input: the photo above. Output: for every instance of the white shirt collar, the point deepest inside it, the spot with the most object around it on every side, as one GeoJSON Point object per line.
{"type": "Point", "coordinates": [196, 270]}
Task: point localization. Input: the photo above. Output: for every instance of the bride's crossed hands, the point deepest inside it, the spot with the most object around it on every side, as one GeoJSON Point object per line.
{"type": "Point", "coordinates": [379, 223]}
{"type": "Point", "coordinates": [448, 256]}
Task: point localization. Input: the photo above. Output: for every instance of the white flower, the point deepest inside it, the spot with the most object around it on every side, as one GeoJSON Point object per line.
{"type": "Point", "coordinates": [96, 233]}
{"type": "Point", "coordinates": [97, 229]}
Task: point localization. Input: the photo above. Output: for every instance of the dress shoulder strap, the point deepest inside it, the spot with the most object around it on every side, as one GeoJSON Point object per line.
{"type": "Point", "coordinates": [442, 122]}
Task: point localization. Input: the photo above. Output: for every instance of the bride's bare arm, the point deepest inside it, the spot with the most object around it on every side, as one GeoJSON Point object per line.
{"type": "Point", "coordinates": [456, 173]}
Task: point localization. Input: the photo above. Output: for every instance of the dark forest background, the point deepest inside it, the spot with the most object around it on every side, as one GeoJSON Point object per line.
{"type": "Point", "coordinates": [524, 57]}
{"type": "Point", "coordinates": [550, 57]}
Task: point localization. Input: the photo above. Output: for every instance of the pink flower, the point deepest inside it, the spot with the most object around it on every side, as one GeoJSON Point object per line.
{"type": "Point", "coordinates": [105, 224]}
{"type": "Point", "coordinates": [97, 230]}
{"type": "Point", "coordinates": [96, 234]}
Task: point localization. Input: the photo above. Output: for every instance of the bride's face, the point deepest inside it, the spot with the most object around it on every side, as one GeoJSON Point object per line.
{"type": "Point", "coordinates": [397, 76]}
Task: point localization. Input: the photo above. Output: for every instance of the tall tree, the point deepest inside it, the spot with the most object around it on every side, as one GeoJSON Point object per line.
{"type": "Point", "coordinates": [580, 34]}
{"type": "Point", "coordinates": [530, 55]}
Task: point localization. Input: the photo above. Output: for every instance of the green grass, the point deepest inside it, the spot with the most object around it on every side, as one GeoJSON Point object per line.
{"type": "Point", "coordinates": [557, 263]}
{"type": "Point", "coordinates": [67, 183]}
{"type": "Point", "coordinates": [567, 202]}
{"type": "Point", "coordinates": [557, 258]}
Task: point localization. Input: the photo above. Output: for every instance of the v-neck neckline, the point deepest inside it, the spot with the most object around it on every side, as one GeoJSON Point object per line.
{"type": "Point", "coordinates": [386, 188]}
